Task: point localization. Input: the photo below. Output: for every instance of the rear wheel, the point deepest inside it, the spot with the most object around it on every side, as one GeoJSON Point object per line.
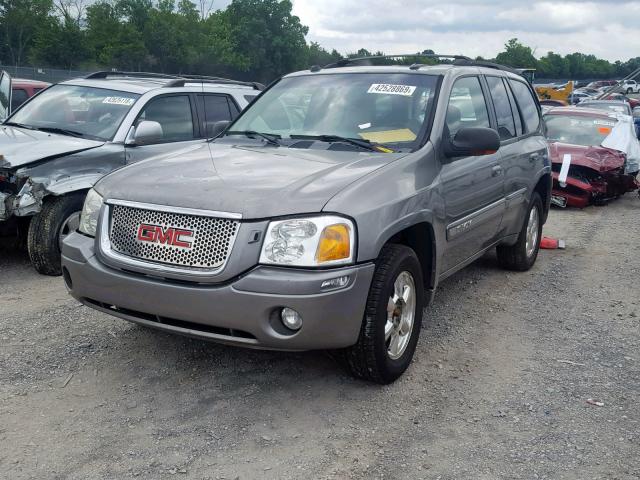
{"type": "Point", "coordinates": [392, 320]}
{"type": "Point", "coordinates": [59, 217]}
{"type": "Point", "coordinates": [523, 254]}
{"type": "Point", "coordinates": [629, 90]}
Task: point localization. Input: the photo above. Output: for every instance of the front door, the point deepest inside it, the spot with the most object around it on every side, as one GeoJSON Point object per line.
{"type": "Point", "coordinates": [177, 116]}
{"type": "Point", "coordinates": [473, 187]}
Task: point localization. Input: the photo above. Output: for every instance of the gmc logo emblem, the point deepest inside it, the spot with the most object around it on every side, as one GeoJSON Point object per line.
{"type": "Point", "coordinates": [176, 237]}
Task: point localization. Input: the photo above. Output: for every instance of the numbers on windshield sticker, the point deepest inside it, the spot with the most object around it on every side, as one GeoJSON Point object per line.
{"type": "Point", "coordinates": [127, 102]}
{"type": "Point", "coordinates": [388, 89]}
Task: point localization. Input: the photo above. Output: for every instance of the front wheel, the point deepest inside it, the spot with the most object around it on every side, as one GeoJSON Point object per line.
{"type": "Point", "coordinates": [392, 320]}
{"type": "Point", "coordinates": [523, 254]}
{"type": "Point", "coordinates": [629, 90]}
{"type": "Point", "coordinates": [59, 217]}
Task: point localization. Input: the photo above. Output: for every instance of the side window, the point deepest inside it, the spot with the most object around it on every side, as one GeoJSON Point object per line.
{"type": "Point", "coordinates": [18, 97]}
{"type": "Point", "coordinates": [527, 105]}
{"type": "Point", "coordinates": [467, 106]}
{"type": "Point", "coordinates": [173, 113]}
{"type": "Point", "coordinates": [506, 125]}
{"type": "Point", "coordinates": [216, 108]}
{"type": "Point", "coordinates": [514, 109]}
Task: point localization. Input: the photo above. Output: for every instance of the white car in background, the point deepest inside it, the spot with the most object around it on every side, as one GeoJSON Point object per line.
{"type": "Point", "coordinates": [630, 86]}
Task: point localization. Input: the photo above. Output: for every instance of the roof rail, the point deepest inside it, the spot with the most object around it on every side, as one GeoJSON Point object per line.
{"type": "Point", "coordinates": [486, 64]}
{"type": "Point", "coordinates": [348, 61]}
{"type": "Point", "coordinates": [180, 81]}
{"type": "Point", "coordinates": [117, 73]}
{"type": "Point", "coordinates": [459, 60]}
{"type": "Point", "coordinates": [174, 80]}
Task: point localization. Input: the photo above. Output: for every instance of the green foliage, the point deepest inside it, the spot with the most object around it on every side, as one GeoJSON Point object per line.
{"type": "Point", "coordinates": [516, 55]}
{"type": "Point", "coordinates": [249, 39]}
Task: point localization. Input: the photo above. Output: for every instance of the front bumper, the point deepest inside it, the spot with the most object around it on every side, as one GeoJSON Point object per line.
{"type": "Point", "coordinates": [243, 311]}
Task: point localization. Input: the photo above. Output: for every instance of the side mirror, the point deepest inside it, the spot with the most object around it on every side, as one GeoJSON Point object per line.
{"type": "Point", "coordinates": [472, 142]}
{"type": "Point", "coordinates": [147, 132]}
{"type": "Point", "coordinates": [216, 128]}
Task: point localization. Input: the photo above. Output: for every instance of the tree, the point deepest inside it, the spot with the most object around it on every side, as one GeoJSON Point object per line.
{"type": "Point", "coordinates": [516, 55]}
{"type": "Point", "coordinates": [265, 38]}
{"type": "Point", "coordinates": [20, 20]}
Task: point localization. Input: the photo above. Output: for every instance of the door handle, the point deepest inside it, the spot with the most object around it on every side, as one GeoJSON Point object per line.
{"type": "Point", "coordinates": [496, 170]}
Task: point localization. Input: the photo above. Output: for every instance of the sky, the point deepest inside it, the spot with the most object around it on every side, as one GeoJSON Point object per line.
{"type": "Point", "coordinates": [606, 28]}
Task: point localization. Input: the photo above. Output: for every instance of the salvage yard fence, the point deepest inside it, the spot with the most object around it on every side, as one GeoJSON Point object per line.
{"type": "Point", "coordinates": [44, 74]}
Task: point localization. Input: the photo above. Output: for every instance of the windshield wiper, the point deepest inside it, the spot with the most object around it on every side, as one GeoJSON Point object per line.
{"type": "Point", "coordinates": [21, 125]}
{"type": "Point", "coordinates": [271, 138]}
{"type": "Point", "coordinates": [366, 144]}
{"type": "Point", "coordinates": [61, 131]}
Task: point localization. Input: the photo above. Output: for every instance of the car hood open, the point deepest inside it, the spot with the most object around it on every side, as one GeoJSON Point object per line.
{"type": "Point", "coordinates": [21, 146]}
{"type": "Point", "coordinates": [600, 159]}
{"type": "Point", "coordinates": [255, 181]}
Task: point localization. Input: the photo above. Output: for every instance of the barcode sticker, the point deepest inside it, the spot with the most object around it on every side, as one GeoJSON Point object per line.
{"type": "Point", "coordinates": [388, 89]}
{"type": "Point", "coordinates": [127, 102]}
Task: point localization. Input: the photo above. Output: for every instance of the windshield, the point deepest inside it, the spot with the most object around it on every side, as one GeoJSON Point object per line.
{"type": "Point", "coordinates": [89, 112]}
{"type": "Point", "coordinates": [578, 130]}
{"type": "Point", "coordinates": [382, 108]}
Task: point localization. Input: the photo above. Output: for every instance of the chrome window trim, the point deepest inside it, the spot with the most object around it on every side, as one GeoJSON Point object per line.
{"type": "Point", "coordinates": [158, 269]}
{"type": "Point", "coordinates": [169, 209]}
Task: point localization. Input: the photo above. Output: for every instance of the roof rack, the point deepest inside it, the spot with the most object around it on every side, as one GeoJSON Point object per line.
{"type": "Point", "coordinates": [174, 80]}
{"type": "Point", "coordinates": [459, 60]}
{"type": "Point", "coordinates": [348, 61]}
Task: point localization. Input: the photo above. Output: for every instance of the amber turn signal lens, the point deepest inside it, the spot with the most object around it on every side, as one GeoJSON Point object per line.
{"type": "Point", "coordinates": [335, 243]}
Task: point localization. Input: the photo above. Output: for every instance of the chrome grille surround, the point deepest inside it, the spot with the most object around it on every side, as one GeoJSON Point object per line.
{"type": "Point", "coordinates": [212, 242]}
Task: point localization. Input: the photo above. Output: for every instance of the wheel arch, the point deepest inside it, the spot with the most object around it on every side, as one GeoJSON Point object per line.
{"type": "Point", "coordinates": [420, 237]}
{"type": "Point", "coordinates": [543, 188]}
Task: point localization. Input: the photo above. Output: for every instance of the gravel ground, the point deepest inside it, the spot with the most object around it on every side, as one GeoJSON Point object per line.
{"type": "Point", "coordinates": [499, 387]}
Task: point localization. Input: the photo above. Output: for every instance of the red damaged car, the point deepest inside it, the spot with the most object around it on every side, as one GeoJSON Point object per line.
{"type": "Point", "coordinates": [584, 171]}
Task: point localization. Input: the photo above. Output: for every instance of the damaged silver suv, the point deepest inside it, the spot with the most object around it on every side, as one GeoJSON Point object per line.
{"type": "Point", "coordinates": [58, 144]}
{"type": "Point", "coordinates": [326, 214]}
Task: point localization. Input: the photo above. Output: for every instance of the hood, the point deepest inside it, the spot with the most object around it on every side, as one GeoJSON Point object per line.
{"type": "Point", "coordinates": [257, 182]}
{"type": "Point", "coordinates": [20, 146]}
{"type": "Point", "coordinates": [600, 159]}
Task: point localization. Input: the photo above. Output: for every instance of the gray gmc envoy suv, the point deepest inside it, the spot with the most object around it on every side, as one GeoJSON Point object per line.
{"type": "Point", "coordinates": [326, 214]}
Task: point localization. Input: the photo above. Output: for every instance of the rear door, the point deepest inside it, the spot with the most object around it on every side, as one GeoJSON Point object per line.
{"type": "Point", "coordinates": [513, 157]}
{"type": "Point", "coordinates": [5, 95]}
{"type": "Point", "coordinates": [473, 187]}
{"type": "Point", "coordinates": [214, 108]}
{"type": "Point", "coordinates": [525, 157]}
{"type": "Point", "coordinates": [176, 114]}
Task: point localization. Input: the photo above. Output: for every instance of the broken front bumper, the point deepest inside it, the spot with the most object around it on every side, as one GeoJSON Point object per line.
{"type": "Point", "coordinates": [243, 311]}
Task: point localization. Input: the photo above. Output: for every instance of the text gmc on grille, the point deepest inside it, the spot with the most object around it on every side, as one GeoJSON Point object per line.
{"type": "Point", "coordinates": [210, 239]}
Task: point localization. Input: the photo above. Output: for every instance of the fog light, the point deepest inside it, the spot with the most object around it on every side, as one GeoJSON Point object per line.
{"type": "Point", "coordinates": [291, 319]}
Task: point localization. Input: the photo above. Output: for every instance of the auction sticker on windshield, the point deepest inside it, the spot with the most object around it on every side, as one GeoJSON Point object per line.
{"type": "Point", "coordinates": [119, 101]}
{"type": "Point", "coordinates": [388, 89]}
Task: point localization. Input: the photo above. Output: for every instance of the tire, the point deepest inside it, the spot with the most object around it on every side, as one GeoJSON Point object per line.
{"type": "Point", "coordinates": [372, 357]}
{"type": "Point", "coordinates": [519, 257]}
{"type": "Point", "coordinates": [629, 90]}
{"type": "Point", "coordinates": [46, 228]}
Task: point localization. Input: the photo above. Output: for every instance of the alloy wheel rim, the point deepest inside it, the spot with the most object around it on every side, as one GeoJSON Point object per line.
{"type": "Point", "coordinates": [401, 308]}
{"type": "Point", "coordinates": [69, 226]}
{"type": "Point", "coordinates": [532, 231]}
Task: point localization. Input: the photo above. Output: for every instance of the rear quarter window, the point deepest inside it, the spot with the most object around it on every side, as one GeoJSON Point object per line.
{"type": "Point", "coordinates": [527, 105]}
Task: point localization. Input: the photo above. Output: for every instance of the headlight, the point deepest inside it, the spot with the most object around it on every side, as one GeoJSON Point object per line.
{"type": "Point", "coordinates": [309, 242]}
{"type": "Point", "coordinates": [90, 213]}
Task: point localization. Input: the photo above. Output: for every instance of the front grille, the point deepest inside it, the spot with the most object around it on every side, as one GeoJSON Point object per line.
{"type": "Point", "coordinates": [211, 241]}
